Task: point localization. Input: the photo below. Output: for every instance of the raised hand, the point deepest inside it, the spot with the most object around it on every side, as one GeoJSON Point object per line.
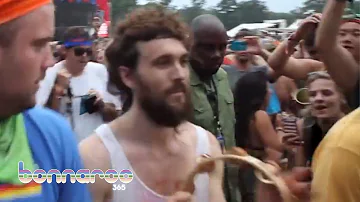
{"type": "Point", "coordinates": [307, 26]}
{"type": "Point", "coordinates": [298, 181]}
{"type": "Point", "coordinates": [63, 78]}
{"type": "Point", "coordinates": [253, 45]}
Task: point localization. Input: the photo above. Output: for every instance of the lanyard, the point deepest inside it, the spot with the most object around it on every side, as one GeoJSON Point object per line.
{"type": "Point", "coordinates": [212, 97]}
{"type": "Point", "coordinates": [69, 107]}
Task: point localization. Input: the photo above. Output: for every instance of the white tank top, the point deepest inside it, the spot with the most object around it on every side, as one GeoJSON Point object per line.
{"type": "Point", "coordinates": [136, 190]}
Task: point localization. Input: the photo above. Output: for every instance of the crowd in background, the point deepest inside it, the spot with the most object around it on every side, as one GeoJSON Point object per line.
{"type": "Point", "coordinates": [292, 101]}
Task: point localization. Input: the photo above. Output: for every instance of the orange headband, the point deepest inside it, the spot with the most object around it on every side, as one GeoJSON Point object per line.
{"type": "Point", "coordinates": [12, 9]}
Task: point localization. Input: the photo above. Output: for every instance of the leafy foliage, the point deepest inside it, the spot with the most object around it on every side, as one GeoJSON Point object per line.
{"type": "Point", "coordinates": [230, 12]}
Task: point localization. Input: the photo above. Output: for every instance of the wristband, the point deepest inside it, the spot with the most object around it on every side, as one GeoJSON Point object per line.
{"type": "Point", "coordinates": [280, 129]}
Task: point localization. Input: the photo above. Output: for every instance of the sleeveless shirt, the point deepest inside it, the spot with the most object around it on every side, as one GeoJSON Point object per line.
{"type": "Point", "coordinates": [136, 190]}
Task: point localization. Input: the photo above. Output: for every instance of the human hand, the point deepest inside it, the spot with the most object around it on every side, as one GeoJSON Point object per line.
{"type": "Point", "coordinates": [291, 140]}
{"type": "Point", "coordinates": [99, 102]}
{"type": "Point", "coordinates": [63, 78]}
{"type": "Point", "coordinates": [298, 181]}
{"type": "Point", "coordinates": [253, 45]}
{"type": "Point", "coordinates": [307, 26]}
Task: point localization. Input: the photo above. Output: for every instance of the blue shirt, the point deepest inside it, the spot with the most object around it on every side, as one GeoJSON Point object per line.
{"type": "Point", "coordinates": [53, 146]}
{"type": "Point", "coordinates": [235, 74]}
{"type": "Point", "coordinates": [274, 103]}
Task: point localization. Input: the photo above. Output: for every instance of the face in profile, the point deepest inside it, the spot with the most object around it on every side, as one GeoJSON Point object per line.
{"type": "Point", "coordinates": [349, 37]}
{"type": "Point", "coordinates": [324, 98]}
{"type": "Point", "coordinates": [25, 60]}
{"type": "Point", "coordinates": [162, 81]}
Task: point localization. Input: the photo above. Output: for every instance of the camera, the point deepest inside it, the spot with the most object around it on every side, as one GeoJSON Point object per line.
{"type": "Point", "coordinates": [87, 104]}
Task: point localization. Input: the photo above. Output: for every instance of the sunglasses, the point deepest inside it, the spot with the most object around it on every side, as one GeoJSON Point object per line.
{"type": "Point", "coordinates": [79, 51]}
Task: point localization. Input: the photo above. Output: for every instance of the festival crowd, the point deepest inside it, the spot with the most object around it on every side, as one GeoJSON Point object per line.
{"type": "Point", "coordinates": [160, 93]}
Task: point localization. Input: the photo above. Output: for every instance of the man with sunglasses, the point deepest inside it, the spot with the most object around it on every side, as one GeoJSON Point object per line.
{"type": "Point", "coordinates": [77, 88]}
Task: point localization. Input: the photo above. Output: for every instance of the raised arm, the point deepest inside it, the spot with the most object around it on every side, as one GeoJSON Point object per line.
{"type": "Point", "coordinates": [340, 64]}
{"type": "Point", "coordinates": [282, 62]}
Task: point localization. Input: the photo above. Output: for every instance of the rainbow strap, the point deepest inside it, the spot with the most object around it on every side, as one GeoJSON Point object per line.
{"type": "Point", "coordinates": [9, 191]}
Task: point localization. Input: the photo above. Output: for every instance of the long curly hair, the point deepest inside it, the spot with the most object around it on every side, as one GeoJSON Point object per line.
{"type": "Point", "coordinates": [143, 24]}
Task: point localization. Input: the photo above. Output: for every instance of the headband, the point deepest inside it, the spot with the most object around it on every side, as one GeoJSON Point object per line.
{"type": "Point", "coordinates": [77, 42]}
{"type": "Point", "coordinates": [355, 20]}
{"type": "Point", "coordinates": [12, 9]}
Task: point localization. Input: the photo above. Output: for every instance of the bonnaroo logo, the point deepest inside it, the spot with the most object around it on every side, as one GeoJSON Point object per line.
{"type": "Point", "coordinates": [82, 176]}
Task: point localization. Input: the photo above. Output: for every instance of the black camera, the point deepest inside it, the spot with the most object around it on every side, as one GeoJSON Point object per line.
{"type": "Point", "coordinates": [87, 104]}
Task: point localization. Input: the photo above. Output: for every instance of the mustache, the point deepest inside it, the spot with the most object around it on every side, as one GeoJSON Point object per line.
{"type": "Point", "coordinates": [176, 88]}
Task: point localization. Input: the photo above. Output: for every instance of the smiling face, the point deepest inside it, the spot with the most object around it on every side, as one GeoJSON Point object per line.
{"type": "Point", "coordinates": [349, 37]}
{"type": "Point", "coordinates": [79, 56]}
{"type": "Point", "coordinates": [23, 63]}
{"type": "Point", "coordinates": [161, 81]}
{"type": "Point", "coordinates": [325, 99]}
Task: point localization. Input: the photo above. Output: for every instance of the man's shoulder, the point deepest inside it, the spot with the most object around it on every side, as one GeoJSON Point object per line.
{"type": "Point", "coordinates": [98, 69]}
{"type": "Point", "coordinates": [48, 122]}
{"type": "Point", "coordinates": [221, 74]}
{"type": "Point", "coordinates": [52, 71]}
{"type": "Point", "coordinates": [42, 112]}
{"type": "Point", "coordinates": [95, 65]}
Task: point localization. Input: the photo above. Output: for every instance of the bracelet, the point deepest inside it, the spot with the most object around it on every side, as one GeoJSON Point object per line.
{"type": "Point", "coordinates": [279, 129]}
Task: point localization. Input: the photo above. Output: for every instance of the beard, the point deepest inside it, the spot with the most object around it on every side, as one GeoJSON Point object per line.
{"type": "Point", "coordinates": [160, 112]}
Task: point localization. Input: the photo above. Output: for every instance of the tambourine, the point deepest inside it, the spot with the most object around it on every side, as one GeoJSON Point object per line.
{"type": "Point", "coordinates": [266, 172]}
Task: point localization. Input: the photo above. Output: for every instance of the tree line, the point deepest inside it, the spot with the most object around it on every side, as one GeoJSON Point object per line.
{"type": "Point", "coordinates": [230, 12]}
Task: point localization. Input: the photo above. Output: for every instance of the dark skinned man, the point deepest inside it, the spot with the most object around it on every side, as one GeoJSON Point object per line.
{"type": "Point", "coordinates": [211, 93]}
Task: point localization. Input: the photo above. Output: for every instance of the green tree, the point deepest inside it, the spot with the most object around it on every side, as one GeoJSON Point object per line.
{"type": "Point", "coordinates": [199, 4]}
{"type": "Point", "coordinates": [227, 12]}
{"type": "Point", "coordinates": [289, 17]}
{"type": "Point", "coordinates": [190, 12]}
{"type": "Point", "coordinates": [165, 3]}
{"type": "Point", "coordinates": [315, 5]}
{"type": "Point", "coordinates": [253, 11]}
{"type": "Point", "coordinates": [119, 8]}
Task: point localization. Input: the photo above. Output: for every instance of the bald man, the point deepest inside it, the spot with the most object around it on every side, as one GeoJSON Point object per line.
{"type": "Point", "coordinates": [211, 94]}
{"type": "Point", "coordinates": [38, 138]}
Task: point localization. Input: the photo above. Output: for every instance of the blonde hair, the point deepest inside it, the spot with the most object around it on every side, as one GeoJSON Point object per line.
{"type": "Point", "coordinates": [313, 76]}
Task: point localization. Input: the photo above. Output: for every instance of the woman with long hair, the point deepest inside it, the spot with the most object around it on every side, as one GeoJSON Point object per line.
{"type": "Point", "coordinates": [327, 106]}
{"type": "Point", "coordinates": [253, 129]}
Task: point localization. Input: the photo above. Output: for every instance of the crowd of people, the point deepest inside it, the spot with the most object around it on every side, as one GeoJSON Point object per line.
{"type": "Point", "coordinates": [160, 93]}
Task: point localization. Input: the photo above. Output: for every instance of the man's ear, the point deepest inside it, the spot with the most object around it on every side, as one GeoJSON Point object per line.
{"type": "Point", "coordinates": [127, 76]}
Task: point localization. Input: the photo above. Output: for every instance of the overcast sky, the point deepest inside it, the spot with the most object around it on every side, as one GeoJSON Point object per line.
{"type": "Point", "coordinates": [273, 5]}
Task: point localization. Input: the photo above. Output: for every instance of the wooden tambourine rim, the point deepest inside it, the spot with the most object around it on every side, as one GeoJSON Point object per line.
{"type": "Point", "coordinates": [261, 169]}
